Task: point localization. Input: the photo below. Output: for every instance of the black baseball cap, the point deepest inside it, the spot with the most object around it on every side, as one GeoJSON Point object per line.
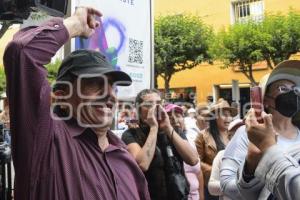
{"type": "Point", "coordinates": [89, 62]}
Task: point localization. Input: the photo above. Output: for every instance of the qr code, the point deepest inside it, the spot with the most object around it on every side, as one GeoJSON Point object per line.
{"type": "Point", "coordinates": [135, 51]}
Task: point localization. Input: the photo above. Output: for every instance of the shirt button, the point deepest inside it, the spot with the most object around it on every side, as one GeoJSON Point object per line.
{"type": "Point", "coordinates": [56, 26]}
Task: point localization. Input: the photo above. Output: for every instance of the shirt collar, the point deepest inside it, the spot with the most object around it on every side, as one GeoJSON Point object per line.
{"type": "Point", "coordinates": [115, 141]}
{"type": "Point", "coordinates": [75, 130]}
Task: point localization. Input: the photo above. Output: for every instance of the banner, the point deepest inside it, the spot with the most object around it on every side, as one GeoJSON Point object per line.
{"type": "Point", "coordinates": [125, 38]}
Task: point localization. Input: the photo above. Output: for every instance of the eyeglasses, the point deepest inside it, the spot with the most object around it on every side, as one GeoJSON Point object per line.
{"type": "Point", "coordinates": [284, 89]}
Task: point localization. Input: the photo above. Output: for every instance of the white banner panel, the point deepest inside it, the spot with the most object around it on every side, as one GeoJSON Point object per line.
{"type": "Point", "coordinates": [125, 38]}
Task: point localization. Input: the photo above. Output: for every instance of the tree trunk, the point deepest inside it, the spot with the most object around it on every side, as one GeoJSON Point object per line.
{"type": "Point", "coordinates": [248, 72]}
{"type": "Point", "coordinates": [269, 63]}
{"type": "Point", "coordinates": [253, 82]}
{"type": "Point", "coordinates": [167, 84]}
{"type": "Point", "coordinates": [275, 61]}
{"type": "Point", "coordinates": [288, 56]}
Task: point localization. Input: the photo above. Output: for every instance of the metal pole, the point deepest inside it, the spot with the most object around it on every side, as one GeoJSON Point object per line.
{"type": "Point", "coordinates": [152, 77]}
{"type": "Point", "coordinates": [67, 46]}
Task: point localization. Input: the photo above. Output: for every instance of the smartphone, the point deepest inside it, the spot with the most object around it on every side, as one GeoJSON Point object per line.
{"type": "Point", "coordinates": [158, 114]}
{"type": "Point", "coordinates": [256, 102]}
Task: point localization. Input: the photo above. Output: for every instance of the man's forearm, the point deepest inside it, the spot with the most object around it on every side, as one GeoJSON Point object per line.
{"type": "Point", "coordinates": [72, 27]}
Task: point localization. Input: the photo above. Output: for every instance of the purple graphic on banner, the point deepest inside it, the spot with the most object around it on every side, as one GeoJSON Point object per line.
{"type": "Point", "coordinates": [99, 40]}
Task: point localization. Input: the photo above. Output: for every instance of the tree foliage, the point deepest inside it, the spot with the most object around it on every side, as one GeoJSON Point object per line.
{"type": "Point", "coordinates": [181, 42]}
{"type": "Point", "coordinates": [284, 32]}
{"type": "Point", "coordinates": [273, 40]}
{"type": "Point", "coordinates": [240, 45]}
{"type": "Point", "coordinates": [52, 72]}
{"type": "Point", "coordinates": [2, 80]}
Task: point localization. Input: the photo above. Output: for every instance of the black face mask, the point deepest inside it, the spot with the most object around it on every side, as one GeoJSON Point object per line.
{"type": "Point", "coordinates": [288, 104]}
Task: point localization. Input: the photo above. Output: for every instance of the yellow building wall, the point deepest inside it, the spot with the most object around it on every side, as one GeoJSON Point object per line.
{"type": "Point", "coordinates": [205, 76]}
{"type": "Point", "coordinates": [281, 6]}
{"type": "Point", "coordinates": [217, 14]}
{"type": "Point", "coordinates": [212, 12]}
{"type": "Point", "coordinates": [4, 41]}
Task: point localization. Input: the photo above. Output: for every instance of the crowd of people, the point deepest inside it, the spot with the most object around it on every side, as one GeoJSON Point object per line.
{"type": "Point", "coordinates": [63, 146]}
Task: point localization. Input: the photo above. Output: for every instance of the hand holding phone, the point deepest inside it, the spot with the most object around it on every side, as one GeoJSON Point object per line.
{"type": "Point", "coordinates": [256, 102]}
{"type": "Point", "coordinates": [158, 113]}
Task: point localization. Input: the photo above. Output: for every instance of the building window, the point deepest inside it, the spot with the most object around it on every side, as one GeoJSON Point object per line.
{"type": "Point", "coordinates": [243, 10]}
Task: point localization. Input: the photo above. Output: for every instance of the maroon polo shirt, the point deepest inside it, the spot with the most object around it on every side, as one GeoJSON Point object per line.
{"type": "Point", "coordinates": [54, 159]}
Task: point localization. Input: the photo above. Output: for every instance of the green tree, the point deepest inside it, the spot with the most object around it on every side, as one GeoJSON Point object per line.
{"type": "Point", "coordinates": [284, 32]}
{"type": "Point", "coordinates": [240, 46]}
{"type": "Point", "coordinates": [274, 39]}
{"type": "Point", "coordinates": [181, 42]}
{"type": "Point", "coordinates": [52, 70]}
{"type": "Point", "coordinates": [2, 80]}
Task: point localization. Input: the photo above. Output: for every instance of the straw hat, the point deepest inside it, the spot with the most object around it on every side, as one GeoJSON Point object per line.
{"type": "Point", "coordinates": [221, 104]}
{"type": "Point", "coordinates": [203, 110]}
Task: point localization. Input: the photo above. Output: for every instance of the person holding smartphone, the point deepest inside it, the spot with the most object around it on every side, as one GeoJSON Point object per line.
{"type": "Point", "coordinates": [144, 143]}
{"type": "Point", "coordinates": [280, 98]}
{"type": "Point", "coordinates": [277, 168]}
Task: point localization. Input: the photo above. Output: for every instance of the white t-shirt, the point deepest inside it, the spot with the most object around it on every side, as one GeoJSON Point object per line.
{"type": "Point", "coordinates": [190, 122]}
{"type": "Point", "coordinates": [192, 133]}
{"type": "Point", "coordinates": [214, 186]}
{"type": "Point", "coordinates": [286, 143]}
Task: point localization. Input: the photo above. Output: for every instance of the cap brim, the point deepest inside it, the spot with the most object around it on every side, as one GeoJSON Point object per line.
{"type": "Point", "coordinates": [286, 70]}
{"type": "Point", "coordinates": [291, 77]}
{"type": "Point", "coordinates": [120, 78]}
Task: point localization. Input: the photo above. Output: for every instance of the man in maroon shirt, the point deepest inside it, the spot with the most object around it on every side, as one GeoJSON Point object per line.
{"type": "Point", "coordinates": [78, 158]}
